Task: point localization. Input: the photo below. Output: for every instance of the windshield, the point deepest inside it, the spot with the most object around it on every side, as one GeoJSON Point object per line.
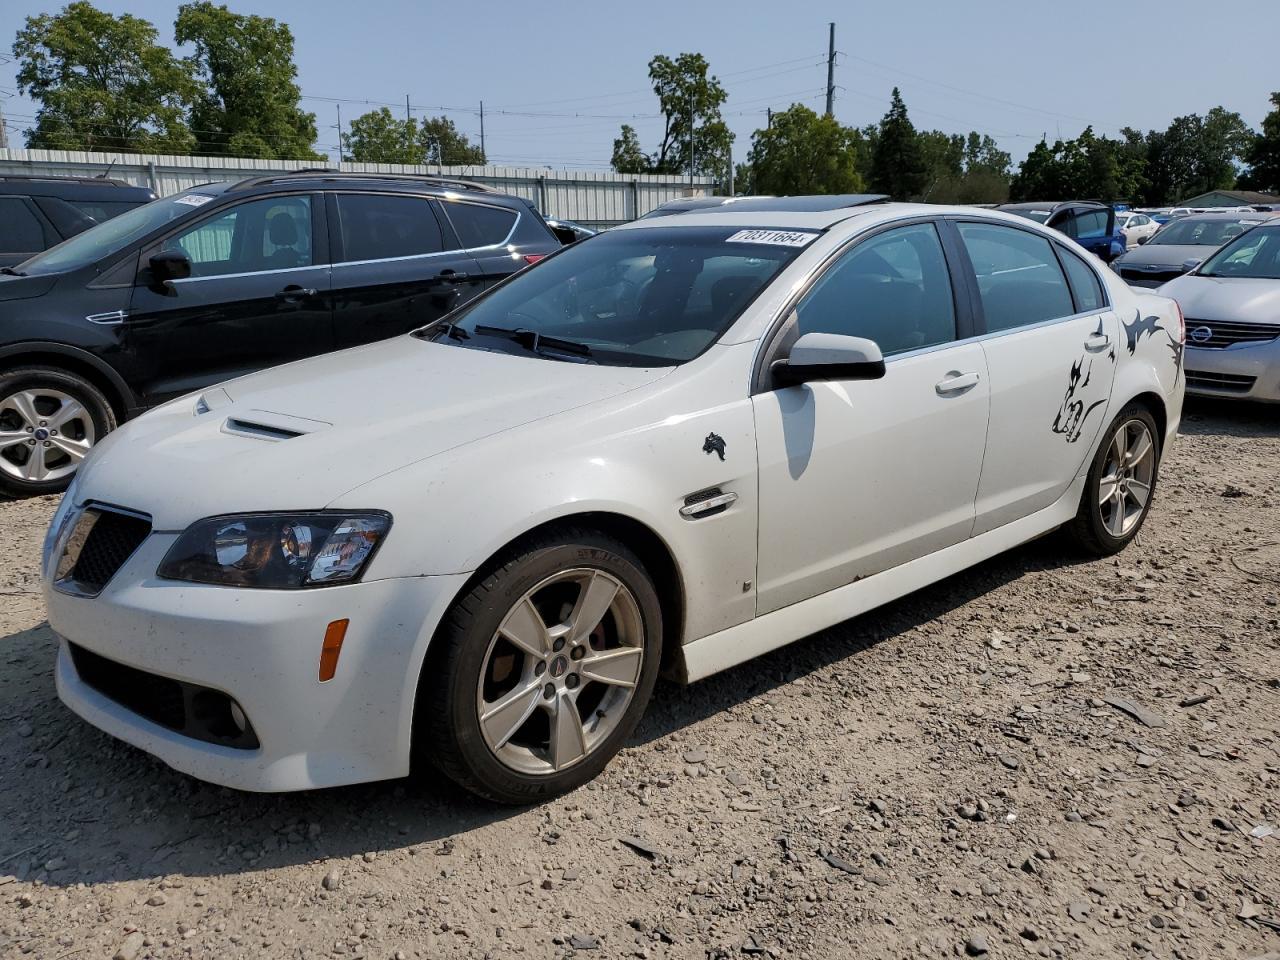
{"type": "Point", "coordinates": [115, 234]}
{"type": "Point", "coordinates": [1256, 254]}
{"type": "Point", "coordinates": [644, 297]}
{"type": "Point", "coordinates": [1200, 233]}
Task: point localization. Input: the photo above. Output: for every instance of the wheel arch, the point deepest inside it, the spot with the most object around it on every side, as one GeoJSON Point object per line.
{"type": "Point", "coordinates": [1156, 405]}
{"type": "Point", "coordinates": [76, 361]}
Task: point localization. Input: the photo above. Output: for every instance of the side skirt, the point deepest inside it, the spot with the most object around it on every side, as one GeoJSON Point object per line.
{"type": "Point", "coordinates": [740, 643]}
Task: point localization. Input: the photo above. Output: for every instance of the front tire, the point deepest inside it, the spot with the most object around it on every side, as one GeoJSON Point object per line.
{"type": "Point", "coordinates": [49, 420]}
{"type": "Point", "coordinates": [541, 671]}
{"type": "Point", "coordinates": [1121, 484]}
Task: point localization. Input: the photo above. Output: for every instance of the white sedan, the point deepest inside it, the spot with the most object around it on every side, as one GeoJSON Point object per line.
{"type": "Point", "coordinates": [1138, 228]}
{"type": "Point", "coordinates": [678, 444]}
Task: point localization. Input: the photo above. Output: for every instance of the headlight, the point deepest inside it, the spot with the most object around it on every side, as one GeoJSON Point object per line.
{"type": "Point", "coordinates": [57, 525]}
{"type": "Point", "coordinates": [277, 551]}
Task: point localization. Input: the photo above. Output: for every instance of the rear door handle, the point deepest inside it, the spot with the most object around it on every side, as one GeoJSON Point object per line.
{"type": "Point", "coordinates": [293, 293]}
{"type": "Point", "coordinates": [956, 382]}
{"type": "Point", "coordinates": [1097, 342]}
{"type": "Point", "coordinates": [451, 276]}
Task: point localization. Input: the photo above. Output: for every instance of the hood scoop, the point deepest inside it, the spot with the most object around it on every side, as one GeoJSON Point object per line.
{"type": "Point", "coordinates": [274, 427]}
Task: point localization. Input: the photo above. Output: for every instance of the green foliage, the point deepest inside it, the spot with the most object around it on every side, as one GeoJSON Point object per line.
{"type": "Point", "coordinates": [898, 163]}
{"type": "Point", "coordinates": [628, 155]}
{"type": "Point", "coordinates": [102, 82]}
{"type": "Point", "coordinates": [1264, 152]}
{"type": "Point", "coordinates": [380, 137]}
{"type": "Point", "coordinates": [248, 106]}
{"type": "Point", "coordinates": [803, 153]}
{"type": "Point", "coordinates": [687, 94]}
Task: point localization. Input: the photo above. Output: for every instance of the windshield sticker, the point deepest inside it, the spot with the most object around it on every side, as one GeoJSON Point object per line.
{"type": "Point", "coordinates": [194, 199]}
{"type": "Point", "coordinates": [777, 238]}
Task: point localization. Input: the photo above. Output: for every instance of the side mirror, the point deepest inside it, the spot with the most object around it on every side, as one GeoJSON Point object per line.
{"type": "Point", "coordinates": [1189, 265]}
{"type": "Point", "coordinates": [1142, 240]}
{"type": "Point", "coordinates": [170, 265]}
{"type": "Point", "coordinates": [829, 356]}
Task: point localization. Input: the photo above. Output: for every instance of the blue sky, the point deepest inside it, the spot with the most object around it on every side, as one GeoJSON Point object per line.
{"type": "Point", "coordinates": [559, 78]}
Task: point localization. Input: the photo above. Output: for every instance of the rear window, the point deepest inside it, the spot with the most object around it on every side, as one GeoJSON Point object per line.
{"type": "Point", "coordinates": [383, 226]}
{"type": "Point", "coordinates": [643, 297]}
{"type": "Point", "coordinates": [478, 225]}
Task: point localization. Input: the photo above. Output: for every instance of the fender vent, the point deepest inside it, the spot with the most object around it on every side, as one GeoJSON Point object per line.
{"type": "Point", "coordinates": [261, 431]}
{"type": "Point", "coordinates": [706, 503]}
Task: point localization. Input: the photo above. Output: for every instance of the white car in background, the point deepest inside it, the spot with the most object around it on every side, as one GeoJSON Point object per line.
{"type": "Point", "coordinates": [680, 443]}
{"type": "Point", "coordinates": [1138, 228]}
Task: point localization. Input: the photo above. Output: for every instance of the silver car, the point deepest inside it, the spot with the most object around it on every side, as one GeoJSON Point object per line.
{"type": "Point", "coordinates": [1232, 309]}
{"type": "Point", "coordinates": [1169, 253]}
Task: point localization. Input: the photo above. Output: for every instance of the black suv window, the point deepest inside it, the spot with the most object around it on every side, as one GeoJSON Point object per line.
{"type": "Point", "coordinates": [1018, 276]}
{"type": "Point", "coordinates": [379, 226]}
{"type": "Point", "coordinates": [22, 231]}
{"type": "Point", "coordinates": [269, 234]}
{"type": "Point", "coordinates": [894, 289]}
{"type": "Point", "coordinates": [478, 225]}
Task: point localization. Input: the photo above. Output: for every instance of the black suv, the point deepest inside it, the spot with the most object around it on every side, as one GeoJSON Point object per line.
{"type": "Point", "coordinates": [38, 212]}
{"type": "Point", "coordinates": [225, 279]}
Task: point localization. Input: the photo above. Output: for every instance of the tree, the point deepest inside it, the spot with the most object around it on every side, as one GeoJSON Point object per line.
{"type": "Point", "coordinates": [804, 153]}
{"type": "Point", "coordinates": [898, 165]}
{"type": "Point", "coordinates": [380, 137]}
{"type": "Point", "coordinates": [442, 143]}
{"type": "Point", "coordinates": [1039, 177]}
{"type": "Point", "coordinates": [249, 104]}
{"type": "Point", "coordinates": [628, 155]}
{"type": "Point", "coordinates": [687, 96]}
{"type": "Point", "coordinates": [102, 82]}
{"type": "Point", "coordinates": [1264, 152]}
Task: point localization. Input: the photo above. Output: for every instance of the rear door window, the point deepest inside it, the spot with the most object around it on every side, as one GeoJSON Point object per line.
{"type": "Point", "coordinates": [1084, 282]}
{"type": "Point", "coordinates": [1019, 279]}
{"type": "Point", "coordinates": [479, 225]}
{"type": "Point", "coordinates": [385, 226]}
{"type": "Point", "coordinates": [22, 231]}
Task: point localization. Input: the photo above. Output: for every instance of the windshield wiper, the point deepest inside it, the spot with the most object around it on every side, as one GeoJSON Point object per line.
{"type": "Point", "coordinates": [12, 272]}
{"type": "Point", "coordinates": [533, 341]}
{"type": "Point", "coordinates": [451, 330]}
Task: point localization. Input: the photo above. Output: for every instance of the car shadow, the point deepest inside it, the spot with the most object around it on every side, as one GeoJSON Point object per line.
{"type": "Point", "coordinates": [1204, 416]}
{"type": "Point", "coordinates": [124, 815]}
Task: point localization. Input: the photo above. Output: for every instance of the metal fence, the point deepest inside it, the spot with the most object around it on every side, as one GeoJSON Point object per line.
{"type": "Point", "coordinates": [592, 198]}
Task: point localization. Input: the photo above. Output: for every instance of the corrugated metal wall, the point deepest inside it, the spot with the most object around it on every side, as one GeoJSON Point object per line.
{"type": "Point", "coordinates": [592, 198]}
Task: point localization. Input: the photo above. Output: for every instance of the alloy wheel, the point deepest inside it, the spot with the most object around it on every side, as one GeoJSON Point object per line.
{"type": "Point", "coordinates": [1125, 486]}
{"type": "Point", "coordinates": [560, 671]}
{"type": "Point", "coordinates": [44, 434]}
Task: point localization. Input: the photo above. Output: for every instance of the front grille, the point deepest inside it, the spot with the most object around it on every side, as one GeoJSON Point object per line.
{"type": "Point", "coordinates": [190, 709]}
{"type": "Point", "coordinates": [1221, 382]}
{"type": "Point", "coordinates": [1149, 278]}
{"type": "Point", "coordinates": [1226, 333]}
{"type": "Point", "coordinates": [99, 544]}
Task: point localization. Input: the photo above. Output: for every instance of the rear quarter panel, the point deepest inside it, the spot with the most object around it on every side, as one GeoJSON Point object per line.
{"type": "Point", "coordinates": [1149, 353]}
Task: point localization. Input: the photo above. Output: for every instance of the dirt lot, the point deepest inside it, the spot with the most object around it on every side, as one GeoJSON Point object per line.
{"type": "Point", "coordinates": [948, 776]}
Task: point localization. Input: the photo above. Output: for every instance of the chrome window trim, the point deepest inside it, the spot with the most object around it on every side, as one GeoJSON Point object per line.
{"type": "Point", "coordinates": [515, 224]}
{"type": "Point", "coordinates": [251, 273]}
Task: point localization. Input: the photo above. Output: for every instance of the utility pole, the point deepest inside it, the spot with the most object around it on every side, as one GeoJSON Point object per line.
{"type": "Point", "coordinates": [482, 153]}
{"type": "Point", "coordinates": [768, 122]}
{"type": "Point", "coordinates": [730, 170]}
{"type": "Point", "coordinates": [4, 133]}
{"type": "Point", "coordinates": [691, 164]}
{"type": "Point", "coordinates": [407, 114]}
{"type": "Point", "coordinates": [339, 106]}
{"type": "Point", "coordinates": [831, 68]}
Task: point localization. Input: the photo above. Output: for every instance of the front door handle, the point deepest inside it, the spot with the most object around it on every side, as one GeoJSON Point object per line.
{"type": "Point", "coordinates": [294, 293]}
{"type": "Point", "coordinates": [956, 382]}
{"type": "Point", "coordinates": [1097, 342]}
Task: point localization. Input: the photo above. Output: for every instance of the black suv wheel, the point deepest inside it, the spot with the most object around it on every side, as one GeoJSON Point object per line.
{"type": "Point", "coordinates": [49, 420]}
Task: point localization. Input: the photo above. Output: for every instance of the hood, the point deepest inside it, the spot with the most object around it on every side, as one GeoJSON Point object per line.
{"type": "Point", "coordinates": [1164, 254]}
{"type": "Point", "coordinates": [1238, 299]}
{"type": "Point", "coordinates": [24, 288]}
{"type": "Point", "coordinates": [298, 436]}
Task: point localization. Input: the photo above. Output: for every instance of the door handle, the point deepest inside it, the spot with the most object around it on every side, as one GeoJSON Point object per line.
{"type": "Point", "coordinates": [451, 276]}
{"type": "Point", "coordinates": [1097, 342]}
{"type": "Point", "coordinates": [293, 293]}
{"type": "Point", "coordinates": [956, 382]}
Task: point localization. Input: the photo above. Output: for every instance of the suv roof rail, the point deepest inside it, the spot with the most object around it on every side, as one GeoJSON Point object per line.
{"type": "Point", "coordinates": [328, 173]}
{"type": "Point", "coordinates": [57, 178]}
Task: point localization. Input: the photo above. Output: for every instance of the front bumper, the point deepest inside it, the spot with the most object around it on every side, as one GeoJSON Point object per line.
{"type": "Point", "coordinates": [1246, 371]}
{"type": "Point", "coordinates": [262, 648]}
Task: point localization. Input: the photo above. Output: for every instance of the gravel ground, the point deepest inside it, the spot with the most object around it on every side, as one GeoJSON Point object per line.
{"type": "Point", "coordinates": [960, 773]}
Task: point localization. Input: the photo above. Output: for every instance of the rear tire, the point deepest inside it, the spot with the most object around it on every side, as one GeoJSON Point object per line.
{"type": "Point", "coordinates": [49, 421]}
{"type": "Point", "coordinates": [541, 671]}
{"type": "Point", "coordinates": [1121, 485]}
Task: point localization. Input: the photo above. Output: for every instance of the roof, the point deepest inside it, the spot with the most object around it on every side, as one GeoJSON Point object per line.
{"type": "Point", "coordinates": [1241, 216]}
{"type": "Point", "coordinates": [781, 218]}
{"type": "Point", "coordinates": [1050, 205]}
{"type": "Point", "coordinates": [1240, 196]}
{"type": "Point", "coordinates": [75, 188]}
